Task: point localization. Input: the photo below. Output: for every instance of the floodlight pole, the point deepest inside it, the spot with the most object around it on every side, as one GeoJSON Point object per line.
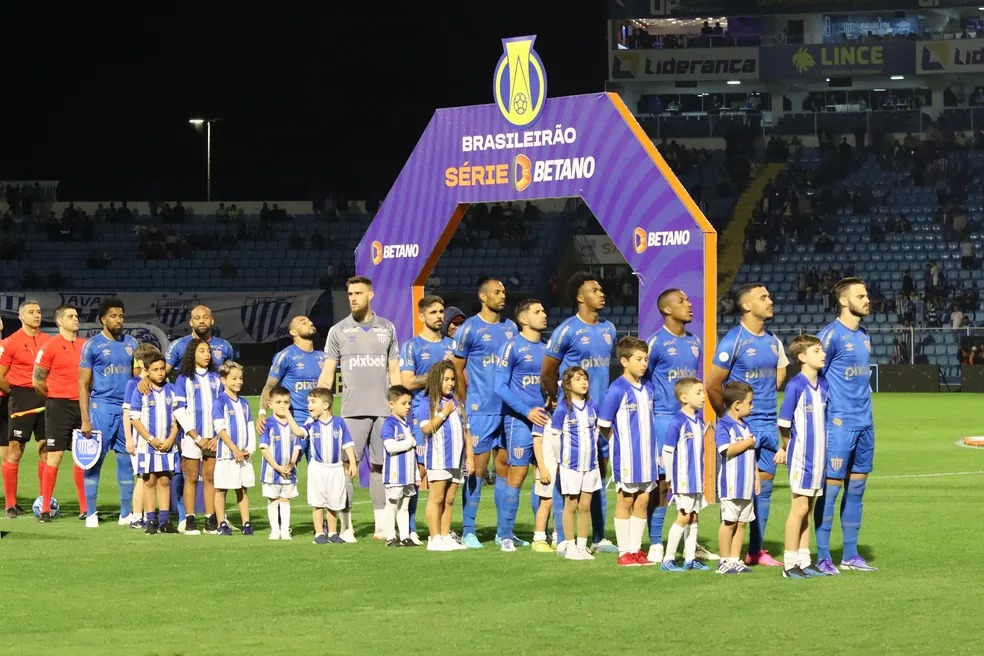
{"type": "Point", "coordinates": [197, 122]}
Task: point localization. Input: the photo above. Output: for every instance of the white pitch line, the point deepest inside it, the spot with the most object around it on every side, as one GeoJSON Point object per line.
{"type": "Point", "coordinates": [872, 478]}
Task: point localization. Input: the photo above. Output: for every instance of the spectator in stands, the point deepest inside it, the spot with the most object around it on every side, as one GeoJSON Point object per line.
{"type": "Point", "coordinates": [956, 317]}
{"type": "Point", "coordinates": [908, 286]}
{"type": "Point", "coordinates": [222, 214]}
{"type": "Point", "coordinates": [824, 244]}
{"type": "Point", "coordinates": [801, 286]}
{"type": "Point", "coordinates": [968, 260]}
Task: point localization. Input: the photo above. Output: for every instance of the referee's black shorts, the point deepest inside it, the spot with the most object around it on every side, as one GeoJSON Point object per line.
{"type": "Point", "coordinates": [61, 418]}
{"type": "Point", "coordinates": [4, 419]}
{"type": "Point", "coordinates": [21, 428]}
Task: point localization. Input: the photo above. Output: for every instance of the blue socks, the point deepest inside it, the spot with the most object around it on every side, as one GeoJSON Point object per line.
{"type": "Point", "coordinates": [124, 477]}
{"type": "Point", "coordinates": [558, 511]}
{"type": "Point", "coordinates": [177, 495]}
{"type": "Point", "coordinates": [164, 516]}
{"type": "Point", "coordinates": [471, 497]}
{"type": "Point", "coordinates": [91, 477]}
{"type": "Point", "coordinates": [498, 496]}
{"type": "Point", "coordinates": [656, 520]}
{"type": "Point", "coordinates": [851, 509]}
{"type": "Point", "coordinates": [763, 503]}
{"type": "Point", "coordinates": [823, 519]}
{"type": "Point", "coordinates": [599, 510]}
{"type": "Point", "coordinates": [509, 497]}
{"type": "Point", "coordinates": [412, 508]}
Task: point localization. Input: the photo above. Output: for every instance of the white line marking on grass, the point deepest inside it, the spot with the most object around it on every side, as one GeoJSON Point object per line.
{"type": "Point", "coordinates": [933, 475]}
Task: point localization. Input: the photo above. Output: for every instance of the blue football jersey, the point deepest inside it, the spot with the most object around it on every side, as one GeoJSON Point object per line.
{"type": "Point", "coordinates": [589, 346]}
{"type": "Point", "coordinates": [298, 370]}
{"type": "Point", "coordinates": [753, 359]}
{"type": "Point", "coordinates": [517, 380]}
{"type": "Point", "coordinates": [670, 359]}
{"type": "Point", "coordinates": [111, 363]}
{"type": "Point", "coordinates": [221, 350]}
{"type": "Point", "coordinates": [848, 375]}
{"type": "Point", "coordinates": [418, 355]}
{"type": "Point", "coordinates": [479, 344]}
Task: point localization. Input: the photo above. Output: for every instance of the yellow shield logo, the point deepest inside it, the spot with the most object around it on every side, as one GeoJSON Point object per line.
{"type": "Point", "coordinates": [520, 83]}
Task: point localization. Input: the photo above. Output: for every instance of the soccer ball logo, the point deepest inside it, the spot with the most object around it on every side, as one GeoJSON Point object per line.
{"type": "Point", "coordinates": [520, 103]}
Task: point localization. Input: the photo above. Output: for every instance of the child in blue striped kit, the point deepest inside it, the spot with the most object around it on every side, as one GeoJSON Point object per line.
{"type": "Point", "coordinates": [400, 474]}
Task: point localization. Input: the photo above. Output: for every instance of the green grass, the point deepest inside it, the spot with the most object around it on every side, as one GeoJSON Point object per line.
{"type": "Point", "coordinates": [116, 591]}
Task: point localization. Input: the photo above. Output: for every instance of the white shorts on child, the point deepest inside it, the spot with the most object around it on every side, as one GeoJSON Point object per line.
{"type": "Point", "coordinates": [189, 449]}
{"type": "Point", "coordinates": [397, 492]}
{"type": "Point", "coordinates": [737, 510]}
{"type": "Point", "coordinates": [807, 492]}
{"type": "Point", "coordinates": [636, 488]}
{"type": "Point", "coordinates": [279, 491]}
{"type": "Point", "coordinates": [232, 475]}
{"type": "Point", "coordinates": [689, 503]}
{"type": "Point", "coordinates": [575, 482]}
{"type": "Point", "coordinates": [326, 486]}
{"type": "Point", "coordinates": [551, 455]}
{"type": "Point", "coordinates": [453, 475]}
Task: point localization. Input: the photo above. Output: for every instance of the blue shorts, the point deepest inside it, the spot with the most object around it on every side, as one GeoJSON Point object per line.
{"type": "Point", "coordinates": [767, 437]}
{"type": "Point", "coordinates": [421, 444]}
{"type": "Point", "coordinates": [108, 419]}
{"type": "Point", "coordinates": [519, 441]}
{"type": "Point", "coordinates": [850, 450]}
{"type": "Point", "coordinates": [486, 432]}
{"type": "Point", "coordinates": [661, 423]}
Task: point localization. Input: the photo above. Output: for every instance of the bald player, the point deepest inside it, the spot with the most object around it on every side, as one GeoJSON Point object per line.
{"type": "Point", "coordinates": [363, 346]}
{"type": "Point", "coordinates": [297, 368]}
{"type": "Point", "coordinates": [17, 379]}
{"type": "Point", "coordinates": [202, 323]}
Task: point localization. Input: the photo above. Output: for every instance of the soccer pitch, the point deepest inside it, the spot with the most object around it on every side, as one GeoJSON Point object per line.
{"type": "Point", "coordinates": [114, 590]}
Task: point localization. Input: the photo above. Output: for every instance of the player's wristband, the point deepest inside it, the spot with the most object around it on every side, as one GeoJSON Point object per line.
{"type": "Point", "coordinates": [262, 411]}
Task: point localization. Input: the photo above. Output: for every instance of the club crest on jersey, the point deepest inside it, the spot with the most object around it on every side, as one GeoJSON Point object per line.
{"type": "Point", "coordinates": [86, 451]}
{"type": "Point", "coordinates": [775, 350]}
{"type": "Point", "coordinates": [608, 339]}
{"type": "Point", "coordinates": [263, 316]}
{"type": "Point", "coordinates": [129, 350]}
{"type": "Point", "coordinates": [695, 350]}
{"type": "Point", "coordinates": [383, 338]}
{"type": "Point", "coordinates": [173, 312]}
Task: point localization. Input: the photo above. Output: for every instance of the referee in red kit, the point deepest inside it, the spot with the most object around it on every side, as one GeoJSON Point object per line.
{"type": "Point", "coordinates": [56, 378]}
{"type": "Point", "coordinates": [16, 376]}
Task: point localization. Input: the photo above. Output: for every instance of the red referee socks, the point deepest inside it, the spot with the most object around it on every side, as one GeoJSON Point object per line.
{"type": "Point", "coordinates": [79, 475]}
{"type": "Point", "coordinates": [41, 467]}
{"type": "Point", "coordinates": [10, 471]}
{"type": "Point", "coordinates": [48, 478]}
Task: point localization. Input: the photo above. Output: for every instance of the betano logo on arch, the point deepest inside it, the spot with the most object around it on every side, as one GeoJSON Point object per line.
{"type": "Point", "coordinates": [643, 239]}
{"type": "Point", "coordinates": [382, 252]}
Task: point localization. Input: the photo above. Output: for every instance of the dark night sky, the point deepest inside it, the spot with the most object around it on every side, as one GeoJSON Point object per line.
{"type": "Point", "coordinates": [342, 98]}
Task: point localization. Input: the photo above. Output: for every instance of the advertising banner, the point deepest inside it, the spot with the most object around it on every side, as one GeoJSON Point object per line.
{"type": "Point", "coordinates": [685, 64]}
{"type": "Point", "coordinates": [823, 61]}
{"type": "Point", "coordinates": [953, 56]}
{"type": "Point", "coordinates": [241, 318]}
{"type": "Point", "coordinates": [704, 8]}
{"type": "Point", "coordinates": [598, 249]}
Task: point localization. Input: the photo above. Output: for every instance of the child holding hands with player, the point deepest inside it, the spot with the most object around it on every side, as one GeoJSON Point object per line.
{"type": "Point", "coordinates": [280, 445]}
{"type": "Point", "coordinates": [737, 479]}
{"type": "Point", "coordinates": [802, 428]}
{"type": "Point", "coordinates": [237, 440]}
{"type": "Point", "coordinates": [683, 458]}
{"type": "Point", "coordinates": [575, 424]}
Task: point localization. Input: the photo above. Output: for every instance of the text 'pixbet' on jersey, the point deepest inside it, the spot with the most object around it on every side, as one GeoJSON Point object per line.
{"type": "Point", "coordinates": [764, 372]}
{"type": "Point", "coordinates": [596, 362]}
{"type": "Point", "coordinates": [857, 370]}
{"type": "Point", "coordinates": [683, 372]}
{"type": "Point", "coordinates": [114, 369]}
{"type": "Point", "coordinates": [491, 359]}
{"type": "Point", "coordinates": [359, 361]}
{"type": "Point", "coordinates": [305, 385]}
{"type": "Point", "coordinates": [529, 381]}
